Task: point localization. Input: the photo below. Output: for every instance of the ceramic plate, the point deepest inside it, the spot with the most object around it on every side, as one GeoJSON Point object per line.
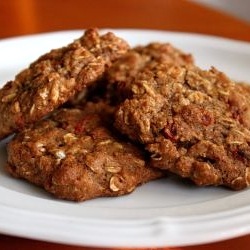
{"type": "Point", "coordinates": [166, 212]}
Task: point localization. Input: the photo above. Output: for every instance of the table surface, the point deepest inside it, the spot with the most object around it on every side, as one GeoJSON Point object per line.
{"type": "Point", "coordinates": [23, 17]}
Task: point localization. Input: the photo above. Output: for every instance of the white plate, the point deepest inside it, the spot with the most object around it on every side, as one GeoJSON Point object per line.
{"type": "Point", "coordinates": [166, 212]}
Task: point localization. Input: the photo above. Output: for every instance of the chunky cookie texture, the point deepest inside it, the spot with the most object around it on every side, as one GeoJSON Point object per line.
{"type": "Point", "coordinates": [55, 78]}
{"type": "Point", "coordinates": [136, 59]}
{"type": "Point", "coordinates": [194, 123]}
{"type": "Point", "coordinates": [123, 71]}
{"type": "Point", "coordinates": [75, 155]}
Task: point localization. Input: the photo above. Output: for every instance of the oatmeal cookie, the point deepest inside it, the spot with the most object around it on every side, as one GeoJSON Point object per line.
{"type": "Point", "coordinates": [75, 155]}
{"type": "Point", "coordinates": [136, 59]}
{"type": "Point", "coordinates": [194, 123]}
{"type": "Point", "coordinates": [55, 78]}
{"type": "Point", "coordinates": [122, 72]}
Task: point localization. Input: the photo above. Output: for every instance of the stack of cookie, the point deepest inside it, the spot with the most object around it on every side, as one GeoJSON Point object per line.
{"type": "Point", "coordinates": [98, 118]}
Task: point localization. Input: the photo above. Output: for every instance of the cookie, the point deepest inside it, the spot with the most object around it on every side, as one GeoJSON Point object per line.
{"type": "Point", "coordinates": [136, 59]}
{"type": "Point", "coordinates": [75, 155]}
{"type": "Point", "coordinates": [193, 122]}
{"type": "Point", "coordinates": [122, 72]}
{"type": "Point", "coordinates": [55, 78]}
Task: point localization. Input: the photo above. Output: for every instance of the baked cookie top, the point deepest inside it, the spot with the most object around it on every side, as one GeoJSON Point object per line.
{"type": "Point", "coordinates": [193, 122]}
{"type": "Point", "coordinates": [75, 155]}
{"type": "Point", "coordinates": [56, 77]}
{"type": "Point", "coordinates": [122, 72]}
{"type": "Point", "coordinates": [137, 58]}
